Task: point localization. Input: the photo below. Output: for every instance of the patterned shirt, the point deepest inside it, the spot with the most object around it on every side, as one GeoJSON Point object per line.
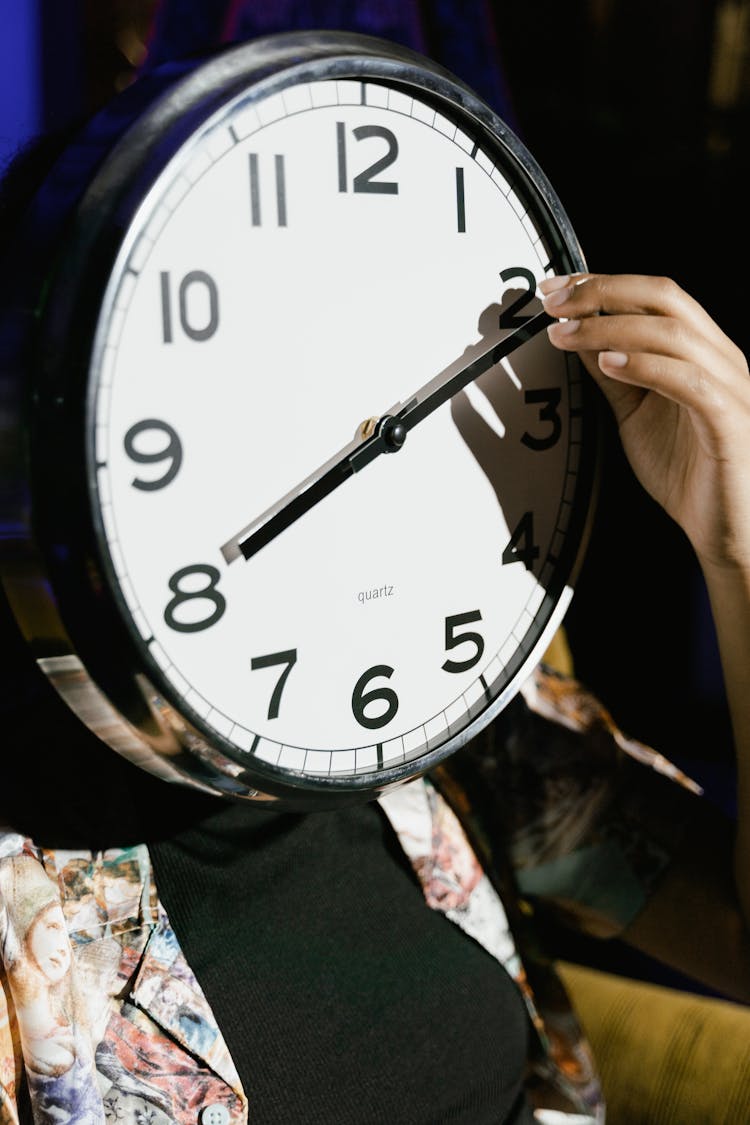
{"type": "Point", "coordinates": [103, 1019]}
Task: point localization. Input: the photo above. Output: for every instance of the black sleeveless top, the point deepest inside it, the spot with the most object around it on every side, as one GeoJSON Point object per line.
{"type": "Point", "coordinates": [342, 997]}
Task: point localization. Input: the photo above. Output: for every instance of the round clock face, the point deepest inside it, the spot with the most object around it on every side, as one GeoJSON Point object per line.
{"type": "Point", "coordinates": [307, 259]}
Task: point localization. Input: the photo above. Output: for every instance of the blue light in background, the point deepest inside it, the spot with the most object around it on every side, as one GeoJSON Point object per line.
{"type": "Point", "coordinates": [20, 76]}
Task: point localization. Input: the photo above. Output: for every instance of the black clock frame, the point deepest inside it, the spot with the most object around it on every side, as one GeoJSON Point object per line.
{"type": "Point", "coordinates": [54, 561]}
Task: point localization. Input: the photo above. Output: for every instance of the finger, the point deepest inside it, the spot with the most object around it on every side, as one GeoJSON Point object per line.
{"type": "Point", "coordinates": [586, 295]}
{"type": "Point", "coordinates": [656, 335]}
{"type": "Point", "coordinates": [684, 383]}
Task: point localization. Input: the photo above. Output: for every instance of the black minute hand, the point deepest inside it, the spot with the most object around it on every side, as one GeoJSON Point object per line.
{"type": "Point", "coordinates": [387, 436]}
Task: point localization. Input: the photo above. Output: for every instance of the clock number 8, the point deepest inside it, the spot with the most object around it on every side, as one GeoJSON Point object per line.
{"type": "Point", "coordinates": [362, 698]}
{"type": "Point", "coordinates": [207, 593]}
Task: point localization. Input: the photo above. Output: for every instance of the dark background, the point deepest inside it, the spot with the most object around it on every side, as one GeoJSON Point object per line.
{"type": "Point", "coordinates": [638, 113]}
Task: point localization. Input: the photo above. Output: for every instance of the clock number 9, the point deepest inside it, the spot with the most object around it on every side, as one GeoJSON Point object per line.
{"type": "Point", "coordinates": [208, 593]}
{"type": "Point", "coordinates": [362, 698]}
{"type": "Point", "coordinates": [171, 451]}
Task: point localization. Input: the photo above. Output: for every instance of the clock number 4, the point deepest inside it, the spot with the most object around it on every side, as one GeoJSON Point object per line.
{"type": "Point", "coordinates": [521, 546]}
{"type": "Point", "coordinates": [365, 181]}
{"type": "Point", "coordinates": [197, 306]}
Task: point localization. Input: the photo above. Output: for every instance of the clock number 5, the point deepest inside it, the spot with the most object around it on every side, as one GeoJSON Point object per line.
{"type": "Point", "coordinates": [362, 698]}
{"type": "Point", "coordinates": [453, 638]}
{"type": "Point", "coordinates": [365, 181]}
{"type": "Point", "coordinates": [288, 659]}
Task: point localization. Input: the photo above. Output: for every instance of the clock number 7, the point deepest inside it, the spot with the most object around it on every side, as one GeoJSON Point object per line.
{"type": "Point", "coordinates": [287, 658]}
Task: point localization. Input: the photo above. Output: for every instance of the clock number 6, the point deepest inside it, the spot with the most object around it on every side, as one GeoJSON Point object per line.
{"type": "Point", "coordinates": [207, 592]}
{"type": "Point", "coordinates": [362, 698]}
{"type": "Point", "coordinates": [288, 658]}
{"type": "Point", "coordinates": [452, 639]}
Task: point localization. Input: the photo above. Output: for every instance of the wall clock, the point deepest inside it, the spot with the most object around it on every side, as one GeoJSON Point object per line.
{"type": "Point", "coordinates": [304, 485]}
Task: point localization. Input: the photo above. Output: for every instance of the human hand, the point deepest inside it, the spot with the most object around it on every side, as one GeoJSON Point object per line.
{"type": "Point", "coordinates": [680, 392]}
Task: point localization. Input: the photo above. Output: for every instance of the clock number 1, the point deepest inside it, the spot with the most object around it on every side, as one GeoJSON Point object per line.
{"type": "Point", "coordinates": [197, 306]}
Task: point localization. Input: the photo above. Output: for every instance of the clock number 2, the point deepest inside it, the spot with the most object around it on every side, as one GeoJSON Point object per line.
{"type": "Point", "coordinates": [361, 698]}
{"type": "Point", "coordinates": [365, 181]}
{"type": "Point", "coordinates": [288, 659]}
{"type": "Point", "coordinates": [182, 584]}
{"type": "Point", "coordinates": [197, 300]}
{"type": "Point", "coordinates": [509, 317]}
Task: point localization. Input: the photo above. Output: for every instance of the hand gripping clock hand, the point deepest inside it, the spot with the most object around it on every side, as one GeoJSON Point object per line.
{"type": "Point", "coordinates": [387, 435]}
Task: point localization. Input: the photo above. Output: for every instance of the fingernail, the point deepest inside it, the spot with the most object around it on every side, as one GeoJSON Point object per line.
{"type": "Point", "coordinates": [550, 284]}
{"type": "Point", "coordinates": [563, 328]}
{"type": "Point", "coordinates": [612, 359]}
{"type": "Point", "coordinates": [558, 297]}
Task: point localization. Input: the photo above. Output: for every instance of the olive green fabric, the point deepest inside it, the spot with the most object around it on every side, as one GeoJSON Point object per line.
{"type": "Point", "coordinates": [665, 1057]}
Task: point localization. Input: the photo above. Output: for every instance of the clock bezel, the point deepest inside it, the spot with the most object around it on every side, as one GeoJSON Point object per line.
{"type": "Point", "coordinates": [66, 531]}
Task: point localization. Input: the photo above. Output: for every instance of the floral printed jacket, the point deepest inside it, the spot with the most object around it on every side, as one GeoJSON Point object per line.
{"type": "Point", "coordinates": [102, 1019]}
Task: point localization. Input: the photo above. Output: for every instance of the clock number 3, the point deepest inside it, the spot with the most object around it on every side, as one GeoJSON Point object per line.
{"type": "Point", "coordinates": [183, 586]}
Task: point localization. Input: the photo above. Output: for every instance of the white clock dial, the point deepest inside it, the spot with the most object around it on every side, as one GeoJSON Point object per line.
{"type": "Point", "coordinates": [303, 262]}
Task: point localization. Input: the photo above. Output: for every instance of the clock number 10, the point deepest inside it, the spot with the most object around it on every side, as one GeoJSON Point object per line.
{"type": "Point", "coordinates": [197, 306]}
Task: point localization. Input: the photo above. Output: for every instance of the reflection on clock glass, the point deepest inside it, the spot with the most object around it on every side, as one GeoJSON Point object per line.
{"type": "Point", "coordinates": [305, 263]}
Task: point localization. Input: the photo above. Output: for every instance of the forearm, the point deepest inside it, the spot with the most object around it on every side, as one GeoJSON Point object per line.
{"type": "Point", "coordinates": [729, 591]}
